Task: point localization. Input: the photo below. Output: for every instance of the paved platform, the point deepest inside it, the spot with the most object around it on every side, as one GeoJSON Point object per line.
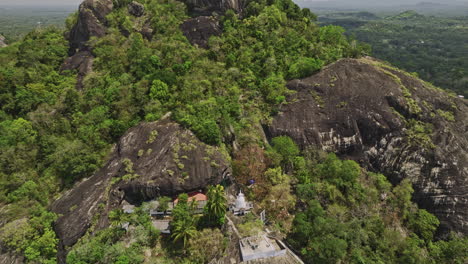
{"type": "Point", "coordinates": [260, 247]}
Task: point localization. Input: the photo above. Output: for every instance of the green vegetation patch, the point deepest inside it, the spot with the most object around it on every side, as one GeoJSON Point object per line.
{"type": "Point", "coordinates": [318, 99]}
{"type": "Point", "coordinates": [419, 134]}
{"type": "Point", "coordinates": [447, 115]}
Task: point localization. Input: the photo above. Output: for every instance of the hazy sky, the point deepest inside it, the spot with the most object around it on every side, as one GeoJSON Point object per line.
{"type": "Point", "coordinates": [40, 2]}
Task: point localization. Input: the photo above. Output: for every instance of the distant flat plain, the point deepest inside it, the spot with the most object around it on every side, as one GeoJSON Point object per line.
{"type": "Point", "coordinates": [16, 21]}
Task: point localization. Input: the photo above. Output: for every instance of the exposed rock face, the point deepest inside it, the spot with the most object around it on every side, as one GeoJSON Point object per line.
{"type": "Point", "coordinates": [358, 108]}
{"type": "Point", "coordinates": [82, 62]}
{"type": "Point", "coordinates": [7, 257]}
{"type": "Point", "coordinates": [136, 9]}
{"type": "Point", "coordinates": [175, 162]}
{"type": "Point", "coordinates": [208, 7]}
{"type": "Point", "coordinates": [2, 42]}
{"type": "Point", "coordinates": [91, 23]}
{"type": "Point", "coordinates": [198, 30]}
{"type": "Point", "coordinates": [147, 31]}
{"type": "Point", "coordinates": [151, 159]}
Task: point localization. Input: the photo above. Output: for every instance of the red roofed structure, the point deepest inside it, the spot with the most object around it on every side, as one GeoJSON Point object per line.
{"type": "Point", "coordinates": [194, 196]}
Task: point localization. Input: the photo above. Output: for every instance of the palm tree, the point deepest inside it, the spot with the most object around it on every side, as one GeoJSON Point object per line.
{"type": "Point", "coordinates": [183, 223]}
{"type": "Point", "coordinates": [216, 205]}
{"type": "Point", "coordinates": [183, 229]}
{"type": "Point", "coordinates": [117, 217]}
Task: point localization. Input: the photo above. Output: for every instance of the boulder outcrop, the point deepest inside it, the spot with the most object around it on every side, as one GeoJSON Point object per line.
{"type": "Point", "coordinates": [198, 30]}
{"type": "Point", "coordinates": [136, 9]}
{"type": "Point", "coordinates": [151, 159]}
{"type": "Point", "coordinates": [91, 23]}
{"type": "Point", "coordinates": [147, 31]}
{"type": "Point", "coordinates": [82, 62]}
{"type": "Point", "coordinates": [391, 122]}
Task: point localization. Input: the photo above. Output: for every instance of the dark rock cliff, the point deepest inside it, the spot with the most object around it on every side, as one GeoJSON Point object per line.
{"type": "Point", "coordinates": [198, 30]}
{"type": "Point", "coordinates": [204, 22]}
{"type": "Point", "coordinates": [362, 109]}
{"type": "Point", "coordinates": [91, 23]}
{"type": "Point", "coordinates": [151, 159]}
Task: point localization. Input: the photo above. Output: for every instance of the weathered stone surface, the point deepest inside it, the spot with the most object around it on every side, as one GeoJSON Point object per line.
{"type": "Point", "coordinates": [136, 9]}
{"type": "Point", "coordinates": [163, 159]}
{"type": "Point", "coordinates": [175, 162]}
{"type": "Point", "coordinates": [91, 23]}
{"type": "Point", "coordinates": [82, 62]}
{"type": "Point", "coordinates": [358, 110]}
{"type": "Point", "coordinates": [2, 42]}
{"type": "Point", "coordinates": [7, 257]}
{"type": "Point", "coordinates": [198, 30]}
{"type": "Point", "coordinates": [147, 31]}
{"type": "Point", "coordinates": [209, 7]}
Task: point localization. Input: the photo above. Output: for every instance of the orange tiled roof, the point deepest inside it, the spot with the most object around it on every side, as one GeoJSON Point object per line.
{"type": "Point", "coordinates": [197, 196]}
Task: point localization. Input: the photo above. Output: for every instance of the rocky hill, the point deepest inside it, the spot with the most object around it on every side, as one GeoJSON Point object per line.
{"type": "Point", "coordinates": [361, 109]}
{"type": "Point", "coordinates": [150, 98]}
{"type": "Point", "coordinates": [391, 122]}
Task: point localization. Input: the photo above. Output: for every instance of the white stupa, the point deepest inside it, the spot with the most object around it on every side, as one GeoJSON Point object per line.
{"type": "Point", "coordinates": [240, 206]}
{"type": "Point", "coordinates": [240, 201]}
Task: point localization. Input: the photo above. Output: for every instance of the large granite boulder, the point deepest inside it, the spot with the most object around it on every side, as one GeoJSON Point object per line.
{"type": "Point", "coordinates": [210, 7]}
{"type": "Point", "coordinates": [91, 23]}
{"type": "Point", "coordinates": [391, 122]}
{"type": "Point", "coordinates": [136, 9]}
{"type": "Point", "coordinates": [198, 30]}
{"type": "Point", "coordinates": [151, 159]}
